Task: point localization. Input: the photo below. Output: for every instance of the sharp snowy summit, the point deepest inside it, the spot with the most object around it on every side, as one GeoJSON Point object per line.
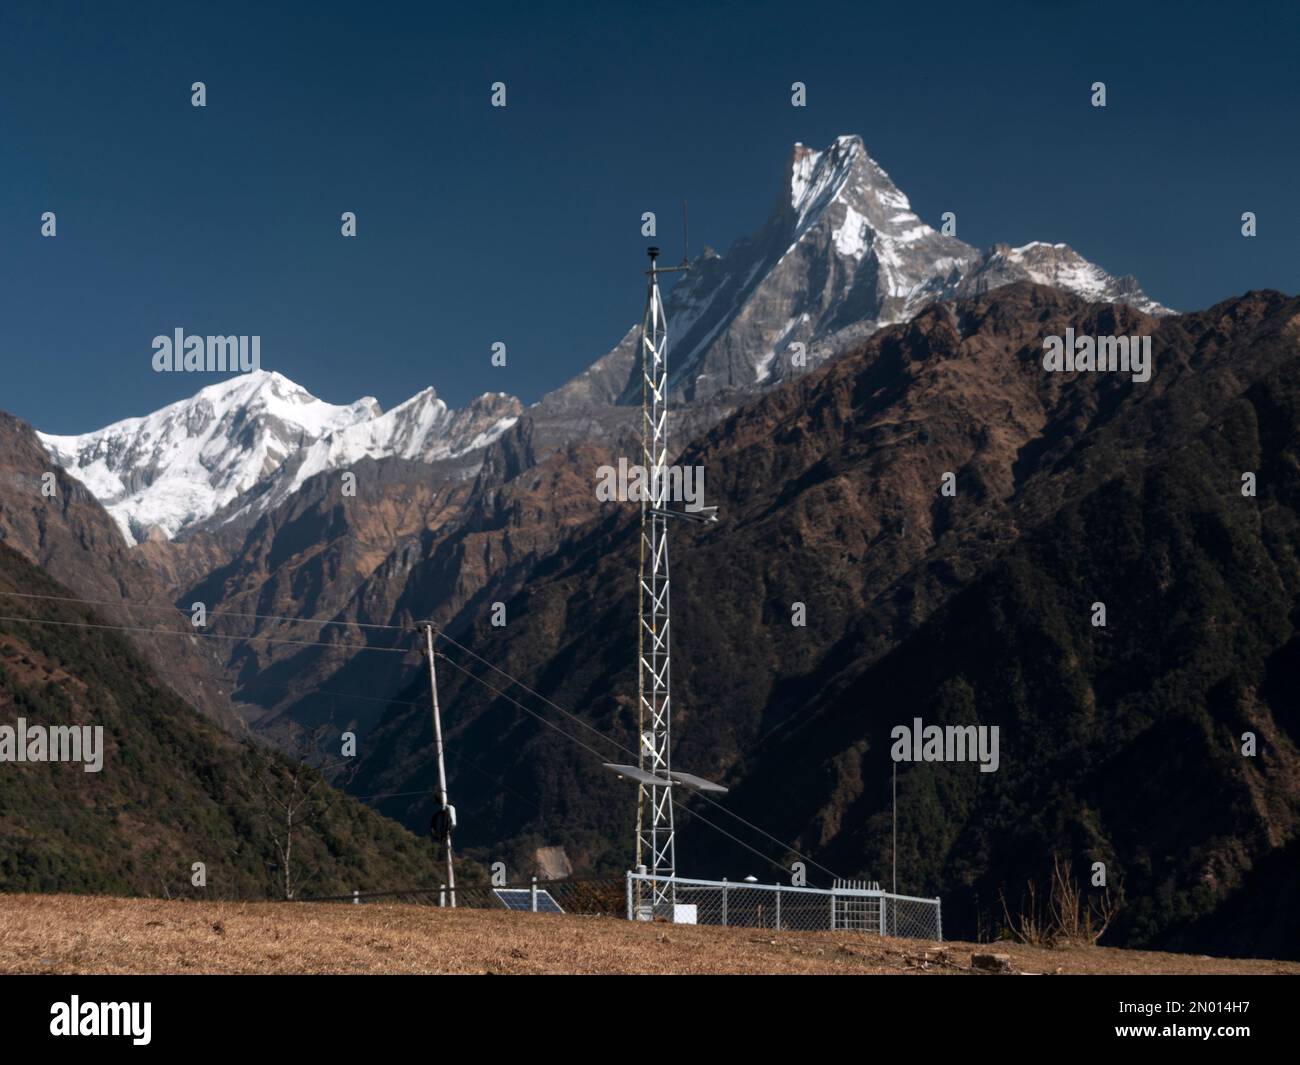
{"type": "Point", "coordinates": [249, 442]}
{"type": "Point", "coordinates": [841, 255]}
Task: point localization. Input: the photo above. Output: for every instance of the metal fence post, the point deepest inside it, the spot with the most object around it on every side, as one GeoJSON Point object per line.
{"type": "Point", "coordinates": [778, 906]}
{"type": "Point", "coordinates": [724, 902]}
{"type": "Point", "coordinates": [882, 914]}
{"type": "Point", "coordinates": [938, 918]}
{"type": "Point", "coordinates": [832, 911]}
{"type": "Point", "coordinates": [442, 894]}
{"type": "Point", "coordinates": [533, 895]}
{"type": "Point", "coordinates": [629, 894]}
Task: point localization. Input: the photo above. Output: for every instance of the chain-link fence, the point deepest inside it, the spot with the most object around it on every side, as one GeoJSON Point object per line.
{"type": "Point", "coordinates": [742, 904]}
{"type": "Point", "coordinates": [587, 896]}
{"type": "Point", "coordinates": [750, 905]}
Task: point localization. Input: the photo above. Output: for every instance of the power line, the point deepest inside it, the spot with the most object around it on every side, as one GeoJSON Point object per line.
{"type": "Point", "coordinates": [475, 765]}
{"type": "Point", "coordinates": [226, 680]}
{"type": "Point", "coordinates": [241, 686]}
{"type": "Point", "coordinates": [461, 757]}
{"type": "Point", "coordinates": [616, 743]}
{"type": "Point", "coordinates": [526, 710]}
{"type": "Point", "coordinates": [592, 750]}
{"type": "Point", "coordinates": [554, 706]}
{"type": "Point", "coordinates": [201, 635]}
{"type": "Point", "coordinates": [253, 804]}
{"type": "Point", "coordinates": [197, 675]}
{"type": "Point", "coordinates": [629, 750]}
{"type": "Point", "coordinates": [753, 850]}
{"type": "Point", "coordinates": [211, 613]}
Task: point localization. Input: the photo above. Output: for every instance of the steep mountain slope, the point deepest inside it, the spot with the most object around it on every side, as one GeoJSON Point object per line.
{"type": "Point", "coordinates": [1121, 745]}
{"type": "Point", "coordinates": [302, 564]}
{"type": "Point", "coordinates": [1072, 489]}
{"type": "Point", "coordinates": [173, 789]}
{"type": "Point", "coordinates": [72, 537]}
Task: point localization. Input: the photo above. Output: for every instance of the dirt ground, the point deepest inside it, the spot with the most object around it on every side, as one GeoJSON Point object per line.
{"type": "Point", "coordinates": [83, 934]}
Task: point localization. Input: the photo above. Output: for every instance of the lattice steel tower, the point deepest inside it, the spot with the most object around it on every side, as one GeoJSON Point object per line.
{"type": "Point", "coordinates": [655, 843]}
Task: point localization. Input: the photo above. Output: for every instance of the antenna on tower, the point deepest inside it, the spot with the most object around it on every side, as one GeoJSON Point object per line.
{"type": "Point", "coordinates": [686, 237]}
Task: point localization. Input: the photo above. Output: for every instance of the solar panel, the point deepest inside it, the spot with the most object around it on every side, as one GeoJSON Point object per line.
{"type": "Point", "coordinates": [699, 783]}
{"type": "Point", "coordinates": [521, 899]}
{"type": "Point", "coordinates": [639, 775]}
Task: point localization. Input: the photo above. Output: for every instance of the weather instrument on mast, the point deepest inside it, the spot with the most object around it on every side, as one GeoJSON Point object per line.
{"type": "Point", "coordinates": [656, 848]}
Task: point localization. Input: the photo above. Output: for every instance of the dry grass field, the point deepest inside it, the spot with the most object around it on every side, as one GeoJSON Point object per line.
{"type": "Point", "coordinates": [81, 934]}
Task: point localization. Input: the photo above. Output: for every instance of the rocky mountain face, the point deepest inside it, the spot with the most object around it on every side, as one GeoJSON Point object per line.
{"type": "Point", "coordinates": [322, 557]}
{"type": "Point", "coordinates": [1058, 266]}
{"type": "Point", "coordinates": [319, 570]}
{"type": "Point", "coordinates": [976, 608]}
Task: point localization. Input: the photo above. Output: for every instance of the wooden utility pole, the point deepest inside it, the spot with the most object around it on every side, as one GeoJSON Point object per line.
{"type": "Point", "coordinates": [444, 821]}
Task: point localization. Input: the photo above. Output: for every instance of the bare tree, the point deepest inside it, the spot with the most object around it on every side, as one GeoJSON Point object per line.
{"type": "Point", "coordinates": [1070, 916]}
{"type": "Point", "coordinates": [293, 795]}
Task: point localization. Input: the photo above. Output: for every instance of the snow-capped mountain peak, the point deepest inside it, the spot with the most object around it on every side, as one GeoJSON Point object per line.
{"type": "Point", "coordinates": [817, 178]}
{"type": "Point", "coordinates": [845, 180]}
{"type": "Point", "coordinates": [841, 255]}
{"type": "Point", "coordinates": [258, 434]}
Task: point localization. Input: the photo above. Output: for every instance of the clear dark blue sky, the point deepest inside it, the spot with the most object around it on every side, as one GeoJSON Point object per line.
{"type": "Point", "coordinates": [523, 224]}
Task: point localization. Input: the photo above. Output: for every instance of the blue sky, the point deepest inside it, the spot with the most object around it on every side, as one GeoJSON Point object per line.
{"type": "Point", "coordinates": [523, 224]}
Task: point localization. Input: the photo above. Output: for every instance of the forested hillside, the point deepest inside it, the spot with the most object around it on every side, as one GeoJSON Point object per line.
{"type": "Point", "coordinates": [173, 789]}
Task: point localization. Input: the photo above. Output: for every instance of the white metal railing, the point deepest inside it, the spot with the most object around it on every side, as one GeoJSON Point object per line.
{"type": "Point", "coordinates": [747, 904]}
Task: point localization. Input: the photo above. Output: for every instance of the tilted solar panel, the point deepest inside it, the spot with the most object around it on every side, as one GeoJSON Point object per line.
{"type": "Point", "coordinates": [522, 899]}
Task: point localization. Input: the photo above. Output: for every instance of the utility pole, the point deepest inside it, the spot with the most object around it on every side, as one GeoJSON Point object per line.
{"type": "Point", "coordinates": [444, 820]}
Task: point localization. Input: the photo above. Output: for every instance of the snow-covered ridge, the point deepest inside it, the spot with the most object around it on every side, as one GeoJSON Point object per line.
{"type": "Point", "coordinates": [422, 429]}
{"type": "Point", "coordinates": [169, 471]}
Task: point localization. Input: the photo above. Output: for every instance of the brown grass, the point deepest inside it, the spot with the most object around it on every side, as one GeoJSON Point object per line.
{"type": "Point", "coordinates": [83, 934]}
